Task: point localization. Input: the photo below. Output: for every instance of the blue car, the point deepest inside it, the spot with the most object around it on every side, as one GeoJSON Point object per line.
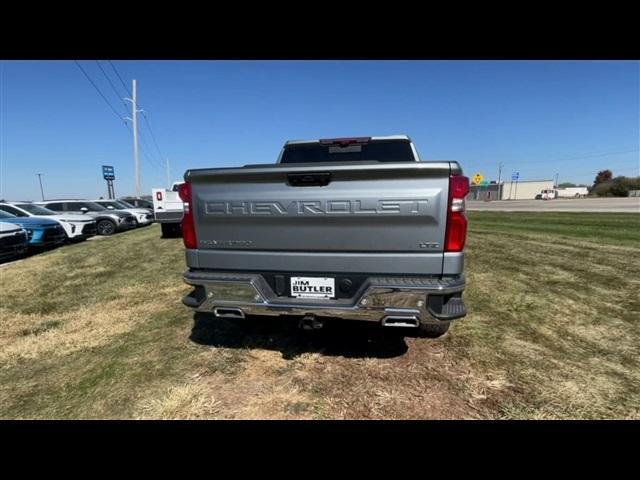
{"type": "Point", "coordinates": [41, 232]}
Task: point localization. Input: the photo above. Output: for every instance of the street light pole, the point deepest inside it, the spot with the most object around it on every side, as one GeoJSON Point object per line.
{"type": "Point", "coordinates": [40, 180]}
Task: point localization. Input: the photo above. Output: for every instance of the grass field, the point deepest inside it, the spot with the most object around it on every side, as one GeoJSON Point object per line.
{"type": "Point", "coordinates": [97, 330]}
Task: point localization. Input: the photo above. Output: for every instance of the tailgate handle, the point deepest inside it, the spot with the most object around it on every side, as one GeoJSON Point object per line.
{"type": "Point", "coordinates": [321, 179]}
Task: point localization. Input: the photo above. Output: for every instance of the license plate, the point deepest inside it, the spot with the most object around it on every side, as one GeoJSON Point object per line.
{"type": "Point", "coordinates": [313, 287]}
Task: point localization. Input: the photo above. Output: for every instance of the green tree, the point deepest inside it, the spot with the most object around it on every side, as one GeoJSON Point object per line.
{"type": "Point", "coordinates": [617, 187]}
{"type": "Point", "coordinates": [603, 176]}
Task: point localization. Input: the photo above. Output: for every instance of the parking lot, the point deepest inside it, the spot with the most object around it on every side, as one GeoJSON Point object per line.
{"type": "Point", "coordinates": [97, 330]}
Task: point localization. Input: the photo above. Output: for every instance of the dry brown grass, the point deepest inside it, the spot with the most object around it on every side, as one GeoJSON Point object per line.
{"type": "Point", "coordinates": [254, 392]}
{"type": "Point", "coordinates": [23, 338]}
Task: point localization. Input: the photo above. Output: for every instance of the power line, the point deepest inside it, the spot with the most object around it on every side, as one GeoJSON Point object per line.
{"type": "Point", "coordinates": [111, 83]}
{"type": "Point", "coordinates": [126, 125]}
{"type": "Point", "coordinates": [150, 149]}
{"type": "Point", "coordinates": [118, 75]}
{"type": "Point", "coordinates": [576, 158]}
{"type": "Point", "coordinates": [98, 90]}
{"type": "Point", "coordinates": [144, 151]}
{"type": "Point", "coordinates": [608, 164]}
{"type": "Point", "coordinates": [617, 172]}
{"type": "Point", "coordinates": [118, 95]}
{"type": "Point", "coordinates": [150, 160]}
{"type": "Point", "coordinates": [144, 115]}
{"type": "Point", "coordinates": [517, 162]}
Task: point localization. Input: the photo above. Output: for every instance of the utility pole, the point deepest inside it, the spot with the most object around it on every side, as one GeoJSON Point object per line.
{"type": "Point", "coordinates": [500, 165]}
{"type": "Point", "coordinates": [136, 161]}
{"type": "Point", "coordinates": [556, 184]}
{"type": "Point", "coordinates": [168, 175]}
{"type": "Point", "coordinates": [40, 180]}
{"type": "Point", "coordinates": [134, 120]}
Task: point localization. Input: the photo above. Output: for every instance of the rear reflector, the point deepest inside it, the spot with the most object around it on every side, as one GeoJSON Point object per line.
{"type": "Point", "coordinates": [159, 196]}
{"type": "Point", "coordinates": [188, 226]}
{"type": "Point", "coordinates": [456, 231]}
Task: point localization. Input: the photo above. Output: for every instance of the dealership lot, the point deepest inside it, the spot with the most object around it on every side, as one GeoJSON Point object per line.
{"type": "Point", "coordinates": [97, 330]}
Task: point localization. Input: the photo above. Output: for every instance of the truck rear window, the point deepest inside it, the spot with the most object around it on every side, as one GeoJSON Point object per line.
{"type": "Point", "coordinates": [381, 151]}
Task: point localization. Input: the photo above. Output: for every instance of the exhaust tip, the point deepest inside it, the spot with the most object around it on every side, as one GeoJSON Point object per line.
{"type": "Point", "coordinates": [310, 322]}
{"type": "Point", "coordinates": [400, 321]}
{"type": "Point", "coordinates": [228, 312]}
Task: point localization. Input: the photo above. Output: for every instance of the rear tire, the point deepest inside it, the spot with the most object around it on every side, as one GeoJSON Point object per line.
{"type": "Point", "coordinates": [106, 227]}
{"type": "Point", "coordinates": [433, 330]}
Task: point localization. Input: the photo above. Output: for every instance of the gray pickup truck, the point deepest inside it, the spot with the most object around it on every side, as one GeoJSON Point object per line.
{"type": "Point", "coordinates": [348, 228]}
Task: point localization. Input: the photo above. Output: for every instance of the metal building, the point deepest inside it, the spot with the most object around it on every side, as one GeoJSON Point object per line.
{"type": "Point", "coordinates": [492, 191]}
{"type": "Point", "coordinates": [524, 190]}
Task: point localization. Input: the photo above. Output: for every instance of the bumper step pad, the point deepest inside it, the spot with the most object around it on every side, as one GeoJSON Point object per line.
{"type": "Point", "coordinates": [446, 307]}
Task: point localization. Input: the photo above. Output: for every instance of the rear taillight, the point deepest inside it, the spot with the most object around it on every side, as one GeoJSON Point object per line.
{"type": "Point", "coordinates": [159, 196]}
{"type": "Point", "coordinates": [456, 231]}
{"type": "Point", "coordinates": [188, 227]}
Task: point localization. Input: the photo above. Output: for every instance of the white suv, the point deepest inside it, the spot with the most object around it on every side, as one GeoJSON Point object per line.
{"type": "Point", "coordinates": [143, 215]}
{"type": "Point", "coordinates": [76, 227]}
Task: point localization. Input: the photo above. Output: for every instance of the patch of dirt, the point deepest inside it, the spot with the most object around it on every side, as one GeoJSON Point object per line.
{"type": "Point", "coordinates": [340, 374]}
{"type": "Point", "coordinates": [426, 382]}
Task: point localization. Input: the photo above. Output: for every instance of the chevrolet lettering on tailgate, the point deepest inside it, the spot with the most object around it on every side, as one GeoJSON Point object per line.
{"type": "Point", "coordinates": [317, 207]}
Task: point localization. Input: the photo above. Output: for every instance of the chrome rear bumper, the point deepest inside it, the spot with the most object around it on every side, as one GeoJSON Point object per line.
{"type": "Point", "coordinates": [430, 300]}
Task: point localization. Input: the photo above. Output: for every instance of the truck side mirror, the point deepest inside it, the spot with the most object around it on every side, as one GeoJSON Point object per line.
{"type": "Point", "coordinates": [110, 207]}
{"type": "Point", "coordinates": [84, 209]}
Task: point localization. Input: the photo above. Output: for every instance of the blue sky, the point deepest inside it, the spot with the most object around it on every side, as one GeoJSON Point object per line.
{"type": "Point", "coordinates": [537, 117]}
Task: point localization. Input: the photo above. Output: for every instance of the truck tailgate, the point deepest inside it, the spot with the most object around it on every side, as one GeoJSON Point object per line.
{"type": "Point", "coordinates": [317, 217]}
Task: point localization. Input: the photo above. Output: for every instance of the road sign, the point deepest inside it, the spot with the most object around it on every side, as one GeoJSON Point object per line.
{"type": "Point", "coordinates": [477, 178]}
{"type": "Point", "coordinates": [515, 176]}
{"type": "Point", "coordinates": [108, 172]}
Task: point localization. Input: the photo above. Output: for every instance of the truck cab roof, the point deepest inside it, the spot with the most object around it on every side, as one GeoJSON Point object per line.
{"type": "Point", "coordinates": [392, 148]}
{"type": "Point", "coordinates": [386, 137]}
